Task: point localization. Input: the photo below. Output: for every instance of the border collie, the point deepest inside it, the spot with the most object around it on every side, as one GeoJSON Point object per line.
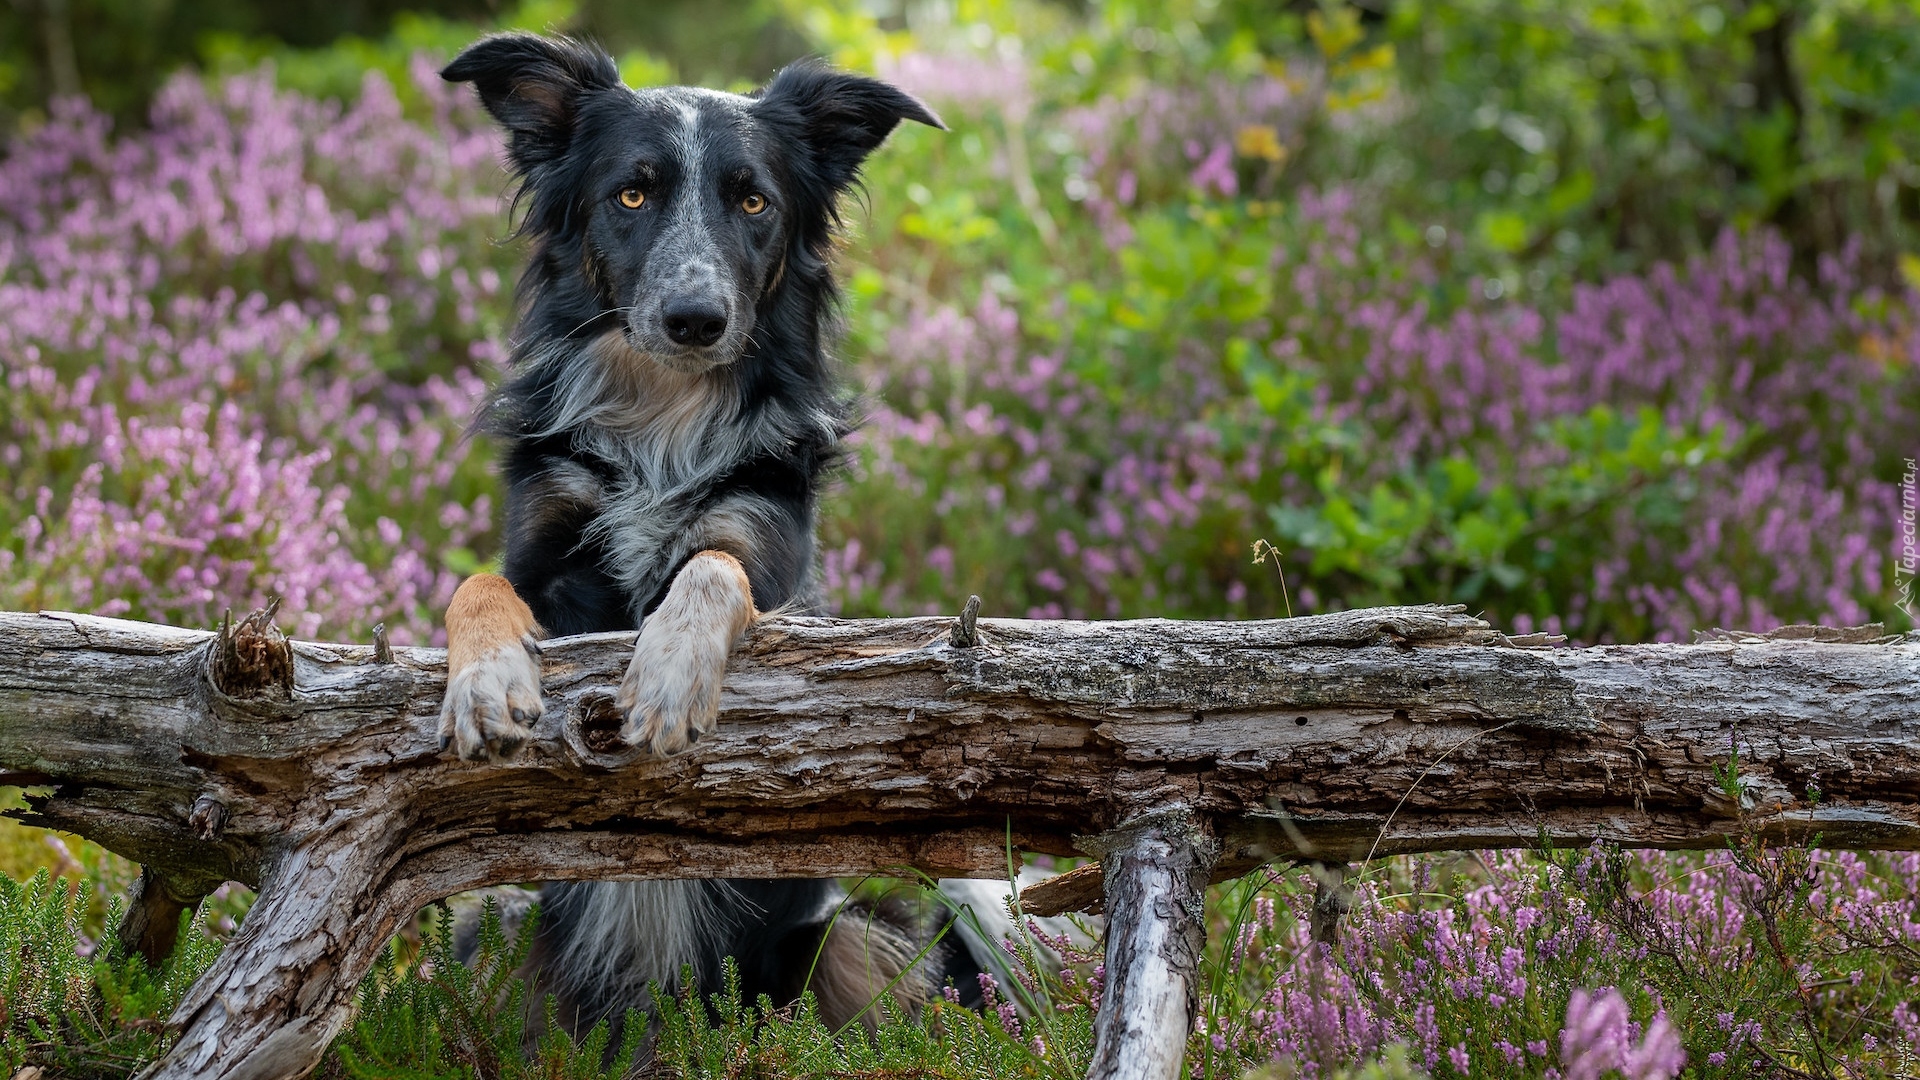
{"type": "Point", "coordinates": [670, 414]}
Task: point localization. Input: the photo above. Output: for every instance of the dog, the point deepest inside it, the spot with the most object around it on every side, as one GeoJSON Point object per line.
{"type": "Point", "coordinates": [670, 414]}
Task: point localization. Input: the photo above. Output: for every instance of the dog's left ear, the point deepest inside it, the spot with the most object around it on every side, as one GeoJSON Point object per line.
{"type": "Point", "coordinates": [841, 117]}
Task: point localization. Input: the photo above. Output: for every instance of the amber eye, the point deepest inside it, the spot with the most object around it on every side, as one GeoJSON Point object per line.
{"type": "Point", "coordinates": [632, 197]}
{"type": "Point", "coordinates": [754, 203]}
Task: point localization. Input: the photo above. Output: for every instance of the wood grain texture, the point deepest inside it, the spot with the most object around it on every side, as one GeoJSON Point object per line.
{"type": "Point", "coordinates": [311, 770]}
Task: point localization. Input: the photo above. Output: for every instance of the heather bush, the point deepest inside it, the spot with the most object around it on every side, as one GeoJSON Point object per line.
{"type": "Point", "coordinates": [65, 1005]}
{"type": "Point", "coordinates": [1756, 961]}
{"type": "Point", "coordinates": [1179, 279]}
{"type": "Point", "coordinates": [1117, 342]}
{"type": "Point", "coordinates": [239, 352]}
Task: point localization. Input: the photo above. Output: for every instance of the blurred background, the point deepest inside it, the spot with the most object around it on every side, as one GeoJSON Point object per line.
{"type": "Point", "coordinates": [1595, 316]}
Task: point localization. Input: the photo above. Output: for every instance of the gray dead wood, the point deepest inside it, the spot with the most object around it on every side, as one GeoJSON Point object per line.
{"type": "Point", "coordinates": [310, 770]}
{"type": "Point", "coordinates": [1156, 869]}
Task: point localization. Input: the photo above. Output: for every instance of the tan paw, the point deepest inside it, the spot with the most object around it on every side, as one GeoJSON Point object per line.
{"type": "Point", "coordinates": [671, 693]}
{"type": "Point", "coordinates": [493, 702]}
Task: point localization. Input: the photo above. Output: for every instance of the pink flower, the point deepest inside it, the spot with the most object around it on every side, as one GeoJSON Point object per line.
{"type": "Point", "coordinates": [1597, 1038]}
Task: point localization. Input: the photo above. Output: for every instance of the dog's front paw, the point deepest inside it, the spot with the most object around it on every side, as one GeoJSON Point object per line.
{"type": "Point", "coordinates": [493, 702]}
{"type": "Point", "coordinates": [671, 694]}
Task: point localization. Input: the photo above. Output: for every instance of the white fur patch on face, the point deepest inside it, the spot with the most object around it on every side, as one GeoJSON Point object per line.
{"type": "Point", "coordinates": [671, 693]}
{"type": "Point", "coordinates": [493, 702]}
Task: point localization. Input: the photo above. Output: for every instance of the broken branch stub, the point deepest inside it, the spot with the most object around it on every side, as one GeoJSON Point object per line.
{"type": "Point", "coordinates": [252, 659]}
{"type": "Point", "coordinates": [312, 772]}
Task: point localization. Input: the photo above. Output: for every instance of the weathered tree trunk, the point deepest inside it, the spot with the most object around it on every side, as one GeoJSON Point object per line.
{"type": "Point", "coordinates": [311, 771]}
{"type": "Point", "coordinates": [1156, 871]}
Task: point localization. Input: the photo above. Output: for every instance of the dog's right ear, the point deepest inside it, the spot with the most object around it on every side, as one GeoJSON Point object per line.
{"type": "Point", "coordinates": [840, 117]}
{"type": "Point", "coordinates": [533, 85]}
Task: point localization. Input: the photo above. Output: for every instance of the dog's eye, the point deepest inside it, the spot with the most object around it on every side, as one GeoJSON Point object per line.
{"type": "Point", "coordinates": [754, 203]}
{"type": "Point", "coordinates": [632, 198]}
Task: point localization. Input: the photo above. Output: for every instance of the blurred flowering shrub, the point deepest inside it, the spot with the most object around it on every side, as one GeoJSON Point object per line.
{"type": "Point", "coordinates": [1129, 316]}
{"type": "Point", "coordinates": [1111, 344]}
{"type": "Point", "coordinates": [1110, 339]}
{"type": "Point", "coordinates": [239, 352]}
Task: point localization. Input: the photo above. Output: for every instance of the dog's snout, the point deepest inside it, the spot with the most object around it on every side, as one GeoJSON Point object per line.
{"type": "Point", "coordinates": [694, 321]}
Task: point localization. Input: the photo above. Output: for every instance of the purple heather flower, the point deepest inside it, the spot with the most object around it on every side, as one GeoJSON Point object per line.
{"type": "Point", "coordinates": [1599, 1037]}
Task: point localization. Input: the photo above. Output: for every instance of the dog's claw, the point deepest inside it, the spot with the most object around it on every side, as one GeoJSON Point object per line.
{"type": "Point", "coordinates": [492, 704]}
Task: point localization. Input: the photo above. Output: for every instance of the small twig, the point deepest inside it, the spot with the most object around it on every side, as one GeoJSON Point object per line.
{"type": "Point", "coordinates": [382, 650]}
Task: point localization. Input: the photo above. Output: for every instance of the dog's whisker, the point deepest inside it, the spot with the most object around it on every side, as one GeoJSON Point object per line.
{"type": "Point", "coordinates": [596, 318]}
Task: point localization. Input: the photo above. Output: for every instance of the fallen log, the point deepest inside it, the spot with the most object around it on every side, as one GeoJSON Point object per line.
{"type": "Point", "coordinates": [311, 771]}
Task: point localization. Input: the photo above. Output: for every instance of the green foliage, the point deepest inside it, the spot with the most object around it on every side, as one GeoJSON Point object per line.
{"type": "Point", "coordinates": [1514, 542]}
{"type": "Point", "coordinates": [1394, 1064]}
{"type": "Point", "coordinates": [722, 1038]}
{"type": "Point", "coordinates": [70, 1007]}
{"type": "Point", "coordinates": [338, 68]}
{"type": "Point", "coordinates": [429, 1016]}
{"type": "Point", "coordinates": [1599, 133]}
{"type": "Point", "coordinates": [118, 52]}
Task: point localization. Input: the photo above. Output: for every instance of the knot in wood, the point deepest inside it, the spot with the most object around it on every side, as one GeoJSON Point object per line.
{"type": "Point", "coordinates": [969, 781]}
{"type": "Point", "coordinates": [208, 817]}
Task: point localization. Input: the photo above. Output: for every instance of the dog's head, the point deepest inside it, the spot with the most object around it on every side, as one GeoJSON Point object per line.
{"type": "Point", "coordinates": [675, 210]}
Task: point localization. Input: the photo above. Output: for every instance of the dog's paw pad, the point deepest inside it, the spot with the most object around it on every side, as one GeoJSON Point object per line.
{"type": "Point", "coordinates": [493, 703]}
{"type": "Point", "coordinates": [671, 694]}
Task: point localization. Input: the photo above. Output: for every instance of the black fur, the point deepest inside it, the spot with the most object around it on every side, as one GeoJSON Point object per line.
{"type": "Point", "coordinates": [611, 486]}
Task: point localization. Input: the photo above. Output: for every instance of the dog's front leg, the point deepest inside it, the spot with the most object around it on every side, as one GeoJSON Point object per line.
{"type": "Point", "coordinates": [493, 670]}
{"type": "Point", "coordinates": [671, 693]}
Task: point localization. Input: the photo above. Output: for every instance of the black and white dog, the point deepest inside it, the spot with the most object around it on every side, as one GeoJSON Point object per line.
{"type": "Point", "coordinates": [669, 419]}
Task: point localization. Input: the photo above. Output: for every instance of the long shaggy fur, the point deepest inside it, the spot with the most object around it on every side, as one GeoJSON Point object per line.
{"type": "Point", "coordinates": [671, 397]}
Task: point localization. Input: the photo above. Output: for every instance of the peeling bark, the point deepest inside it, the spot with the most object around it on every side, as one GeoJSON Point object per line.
{"type": "Point", "coordinates": [1156, 871]}
{"type": "Point", "coordinates": [311, 770]}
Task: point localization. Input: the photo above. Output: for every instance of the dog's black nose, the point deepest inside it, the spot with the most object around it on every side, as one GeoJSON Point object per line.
{"type": "Point", "coordinates": [694, 322]}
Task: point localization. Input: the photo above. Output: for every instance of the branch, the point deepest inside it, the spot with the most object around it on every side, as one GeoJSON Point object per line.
{"type": "Point", "coordinates": [311, 771]}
